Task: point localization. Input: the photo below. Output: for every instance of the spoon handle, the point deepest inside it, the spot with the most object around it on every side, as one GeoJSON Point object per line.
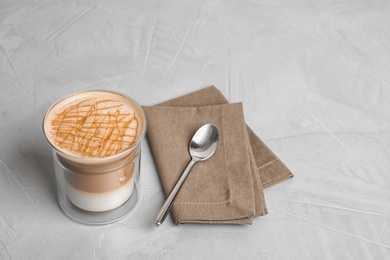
{"type": "Point", "coordinates": [172, 196]}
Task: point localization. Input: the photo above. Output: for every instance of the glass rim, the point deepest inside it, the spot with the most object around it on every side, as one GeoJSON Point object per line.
{"type": "Point", "coordinates": [96, 159]}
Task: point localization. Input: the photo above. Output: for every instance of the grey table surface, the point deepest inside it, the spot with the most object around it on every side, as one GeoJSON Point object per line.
{"type": "Point", "coordinates": [314, 79]}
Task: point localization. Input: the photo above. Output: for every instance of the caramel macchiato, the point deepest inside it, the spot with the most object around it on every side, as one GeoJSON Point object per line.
{"type": "Point", "coordinates": [96, 136]}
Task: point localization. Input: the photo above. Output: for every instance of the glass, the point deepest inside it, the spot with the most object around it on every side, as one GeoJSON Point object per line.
{"type": "Point", "coordinates": [94, 190]}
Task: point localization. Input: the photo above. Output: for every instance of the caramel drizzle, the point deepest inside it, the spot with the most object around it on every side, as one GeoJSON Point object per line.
{"type": "Point", "coordinates": [93, 128]}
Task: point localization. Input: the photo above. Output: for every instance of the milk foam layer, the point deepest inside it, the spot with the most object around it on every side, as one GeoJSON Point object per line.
{"type": "Point", "coordinates": [94, 124]}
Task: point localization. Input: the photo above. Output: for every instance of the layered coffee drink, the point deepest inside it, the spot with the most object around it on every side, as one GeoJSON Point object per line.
{"type": "Point", "coordinates": [96, 137]}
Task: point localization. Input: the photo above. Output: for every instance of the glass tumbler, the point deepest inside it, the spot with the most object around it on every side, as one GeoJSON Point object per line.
{"type": "Point", "coordinates": [92, 189]}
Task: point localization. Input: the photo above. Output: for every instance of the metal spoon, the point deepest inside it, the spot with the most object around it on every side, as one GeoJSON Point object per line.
{"type": "Point", "coordinates": [202, 146]}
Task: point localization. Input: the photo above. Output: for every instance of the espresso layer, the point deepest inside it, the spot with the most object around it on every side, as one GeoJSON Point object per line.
{"type": "Point", "coordinates": [98, 183]}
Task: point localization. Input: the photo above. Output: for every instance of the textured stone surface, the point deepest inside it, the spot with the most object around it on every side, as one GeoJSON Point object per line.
{"type": "Point", "coordinates": [314, 78]}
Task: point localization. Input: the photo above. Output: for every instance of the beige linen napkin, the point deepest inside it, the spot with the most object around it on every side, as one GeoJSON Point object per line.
{"type": "Point", "coordinates": [222, 189]}
{"type": "Point", "coordinates": [271, 170]}
{"type": "Point", "coordinates": [227, 188]}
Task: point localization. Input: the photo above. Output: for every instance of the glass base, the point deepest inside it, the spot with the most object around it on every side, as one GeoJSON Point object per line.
{"type": "Point", "coordinates": [100, 218]}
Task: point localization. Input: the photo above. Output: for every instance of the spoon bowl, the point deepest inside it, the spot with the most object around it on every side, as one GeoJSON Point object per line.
{"type": "Point", "coordinates": [202, 146]}
{"type": "Point", "coordinates": [204, 142]}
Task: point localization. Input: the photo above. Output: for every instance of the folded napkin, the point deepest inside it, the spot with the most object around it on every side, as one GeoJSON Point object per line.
{"type": "Point", "coordinates": [228, 187]}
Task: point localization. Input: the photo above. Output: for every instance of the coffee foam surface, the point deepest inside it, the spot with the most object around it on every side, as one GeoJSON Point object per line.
{"type": "Point", "coordinates": [94, 124]}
